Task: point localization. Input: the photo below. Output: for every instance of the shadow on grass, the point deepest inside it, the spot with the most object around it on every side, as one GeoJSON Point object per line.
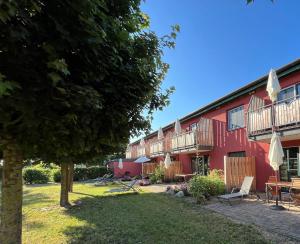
{"type": "Point", "coordinates": [152, 218]}
{"type": "Point", "coordinates": [33, 225]}
{"type": "Point", "coordinates": [30, 198]}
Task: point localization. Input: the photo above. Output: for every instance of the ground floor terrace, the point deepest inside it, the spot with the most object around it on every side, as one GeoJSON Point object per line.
{"type": "Point", "coordinates": [203, 162]}
{"type": "Point", "coordinates": [98, 216]}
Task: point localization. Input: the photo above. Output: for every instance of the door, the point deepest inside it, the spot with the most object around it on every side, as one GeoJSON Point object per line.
{"type": "Point", "coordinates": [290, 167]}
{"type": "Point", "coordinates": [200, 165]}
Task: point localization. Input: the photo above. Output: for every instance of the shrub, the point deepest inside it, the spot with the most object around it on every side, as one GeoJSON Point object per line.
{"type": "Point", "coordinates": [157, 176]}
{"type": "Point", "coordinates": [217, 173]}
{"type": "Point", "coordinates": [56, 175]}
{"type": "Point", "coordinates": [36, 175]}
{"type": "Point", "coordinates": [89, 173]}
{"type": "Point", "coordinates": [1, 170]}
{"type": "Point", "coordinates": [202, 187]}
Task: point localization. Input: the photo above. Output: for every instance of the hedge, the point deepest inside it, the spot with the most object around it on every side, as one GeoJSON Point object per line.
{"type": "Point", "coordinates": [56, 175]}
{"type": "Point", "coordinates": [89, 173]}
{"type": "Point", "coordinates": [36, 175]}
{"type": "Point", "coordinates": [82, 173]}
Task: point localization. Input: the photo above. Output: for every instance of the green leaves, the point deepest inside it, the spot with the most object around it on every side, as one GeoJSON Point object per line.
{"type": "Point", "coordinates": [6, 87]}
{"type": "Point", "coordinates": [79, 77]}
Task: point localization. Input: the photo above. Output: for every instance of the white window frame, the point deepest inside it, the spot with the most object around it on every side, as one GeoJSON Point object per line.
{"type": "Point", "coordinates": [229, 128]}
{"type": "Point", "coordinates": [294, 86]}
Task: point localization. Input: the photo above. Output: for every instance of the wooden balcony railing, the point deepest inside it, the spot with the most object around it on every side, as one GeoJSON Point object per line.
{"type": "Point", "coordinates": [199, 139]}
{"type": "Point", "coordinates": [131, 152]}
{"type": "Point", "coordinates": [157, 148]}
{"type": "Point", "coordinates": [285, 115]}
{"type": "Point", "coordinates": [141, 151]}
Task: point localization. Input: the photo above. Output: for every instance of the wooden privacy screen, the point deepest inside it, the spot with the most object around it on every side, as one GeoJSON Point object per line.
{"type": "Point", "coordinates": [235, 170]}
{"type": "Point", "coordinates": [175, 168]}
{"type": "Point", "coordinates": [148, 168]}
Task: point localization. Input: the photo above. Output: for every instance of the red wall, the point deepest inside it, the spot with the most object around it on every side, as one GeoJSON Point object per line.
{"type": "Point", "coordinates": [232, 141]}
{"type": "Point", "coordinates": [133, 169]}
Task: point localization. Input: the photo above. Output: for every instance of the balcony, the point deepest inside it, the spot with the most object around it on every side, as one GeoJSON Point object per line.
{"type": "Point", "coordinates": [157, 148]}
{"type": "Point", "coordinates": [284, 117]}
{"type": "Point", "coordinates": [201, 139]}
{"type": "Point", "coordinates": [141, 151]}
{"type": "Point", "coordinates": [131, 152]}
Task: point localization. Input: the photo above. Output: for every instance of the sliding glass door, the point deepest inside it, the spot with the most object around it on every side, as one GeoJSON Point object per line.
{"type": "Point", "coordinates": [290, 167]}
{"type": "Point", "coordinates": [200, 165]}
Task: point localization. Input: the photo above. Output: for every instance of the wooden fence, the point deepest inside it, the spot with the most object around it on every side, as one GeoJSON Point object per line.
{"type": "Point", "coordinates": [175, 168]}
{"type": "Point", "coordinates": [169, 174]}
{"type": "Point", "coordinates": [148, 168]}
{"type": "Point", "coordinates": [235, 170]}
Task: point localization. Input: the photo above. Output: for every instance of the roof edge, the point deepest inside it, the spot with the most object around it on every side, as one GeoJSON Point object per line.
{"type": "Point", "coordinates": [281, 72]}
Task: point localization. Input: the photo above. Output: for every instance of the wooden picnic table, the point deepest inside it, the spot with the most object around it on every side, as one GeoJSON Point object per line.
{"type": "Point", "coordinates": [184, 176]}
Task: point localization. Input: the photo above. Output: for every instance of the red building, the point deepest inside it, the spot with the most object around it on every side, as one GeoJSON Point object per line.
{"type": "Point", "coordinates": [238, 124]}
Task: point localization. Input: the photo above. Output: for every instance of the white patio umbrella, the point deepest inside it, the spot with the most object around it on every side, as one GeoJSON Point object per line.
{"type": "Point", "coordinates": [160, 134]}
{"type": "Point", "coordinates": [120, 165]}
{"type": "Point", "coordinates": [273, 86]}
{"type": "Point", "coordinates": [177, 127]}
{"type": "Point", "coordinates": [142, 160]}
{"type": "Point", "coordinates": [276, 152]}
{"type": "Point", "coordinates": [167, 161]}
{"type": "Point", "coordinates": [276, 159]}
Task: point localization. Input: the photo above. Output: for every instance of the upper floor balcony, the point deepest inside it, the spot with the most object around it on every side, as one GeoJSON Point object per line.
{"type": "Point", "coordinates": [141, 151]}
{"type": "Point", "coordinates": [131, 152]}
{"type": "Point", "coordinates": [157, 148]}
{"type": "Point", "coordinates": [283, 116]}
{"type": "Point", "coordinates": [200, 139]}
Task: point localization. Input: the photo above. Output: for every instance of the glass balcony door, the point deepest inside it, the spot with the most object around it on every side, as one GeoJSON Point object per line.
{"type": "Point", "coordinates": [290, 167]}
{"type": "Point", "coordinates": [200, 165]}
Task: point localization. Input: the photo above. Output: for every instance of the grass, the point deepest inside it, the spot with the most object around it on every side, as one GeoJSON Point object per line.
{"type": "Point", "coordinates": [120, 218]}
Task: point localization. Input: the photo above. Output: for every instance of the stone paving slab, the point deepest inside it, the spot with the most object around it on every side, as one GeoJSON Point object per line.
{"type": "Point", "coordinates": [255, 212]}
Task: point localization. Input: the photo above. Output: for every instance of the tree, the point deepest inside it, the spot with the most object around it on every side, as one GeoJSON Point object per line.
{"type": "Point", "coordinates": [75, 77]}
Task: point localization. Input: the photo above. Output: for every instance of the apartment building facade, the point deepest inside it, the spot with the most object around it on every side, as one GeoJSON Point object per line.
{"type": "Point", "coordinates": [236, 125]}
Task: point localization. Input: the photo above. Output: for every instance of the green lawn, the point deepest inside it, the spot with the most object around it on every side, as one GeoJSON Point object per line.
{"type": "Point", "coordinates": [143, 218]}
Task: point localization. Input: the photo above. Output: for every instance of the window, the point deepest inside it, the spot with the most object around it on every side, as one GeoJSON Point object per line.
{"type": "Point", "coordinates": [193, 127]}
{"type": "Point", "coordinates": [289, 93]}
{"type": "Point", "coordinates": [236, 118]}
{"type": "Point", "coordinates": [237, 154]}
{"type": "Point", "coordinates": [286, 94]}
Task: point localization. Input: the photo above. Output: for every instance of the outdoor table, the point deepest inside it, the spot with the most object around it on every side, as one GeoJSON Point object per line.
{"type": "Point", "coordinates": [184, 176]}
{"type": "Point", "coordinates": [280, 184]}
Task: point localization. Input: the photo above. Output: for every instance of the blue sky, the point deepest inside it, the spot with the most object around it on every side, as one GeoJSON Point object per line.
{"type": "Point", "coordinates": [223, 45]}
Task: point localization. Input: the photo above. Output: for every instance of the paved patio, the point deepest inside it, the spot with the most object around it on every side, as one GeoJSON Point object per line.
{"type": "Point", "coordinates": [251, 211]}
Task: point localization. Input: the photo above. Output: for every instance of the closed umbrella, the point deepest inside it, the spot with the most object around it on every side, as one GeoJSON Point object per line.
{"type": "Point", "coordinates": [177, 127]}
{"type": "Point", "coordinates": [160, 134]}
{"type": "Point", "coordinates": [167, 161]}
{"type": "Point", "coordinates": [273, 86]}
{"type": "Point", "coordinates": [276, 152]}
{"type": "Point", "coordinates": [120, 165]}
{"type": "Point", "coordinates": [276, 159]}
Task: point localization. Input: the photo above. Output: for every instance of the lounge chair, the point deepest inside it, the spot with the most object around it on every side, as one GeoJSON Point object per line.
{"type": "Point", "coordinates": [104, 180]}
{"type": "Point", "coordinates": [126, 187]}
{"type": "Point", "coordinates": [244, 191]}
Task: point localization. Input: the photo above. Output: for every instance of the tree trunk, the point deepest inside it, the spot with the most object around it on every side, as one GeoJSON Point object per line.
{"type": "Point", "coordinates": [70, 177]}
{"type": "Point", "coordinates": [64, 194]}
{"type": "Point", "coordinates": [12, 195]}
